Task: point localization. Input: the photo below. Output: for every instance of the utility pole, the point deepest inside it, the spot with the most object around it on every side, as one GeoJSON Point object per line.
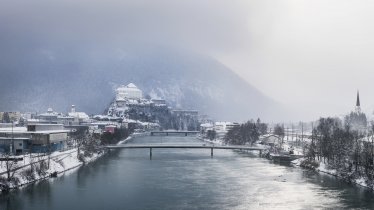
{"type": "Point", "coordinates": [292, 132]}
{"type": "Point", "coordinates": [12, 145]}
{"type": "Point", "coordinates": [288, 132]}
{"type": "Point", "coordinates": [302, 132]}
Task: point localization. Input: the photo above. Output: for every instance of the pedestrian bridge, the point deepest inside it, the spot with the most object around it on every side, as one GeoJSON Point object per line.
{"type": "Point", "coordinates": [182, 146]}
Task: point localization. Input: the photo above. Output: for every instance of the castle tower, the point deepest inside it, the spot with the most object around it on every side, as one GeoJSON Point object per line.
{"type": "Point", "coordinates": [72, 108]}
{"type": "Point", "coordinates": [358, 108]}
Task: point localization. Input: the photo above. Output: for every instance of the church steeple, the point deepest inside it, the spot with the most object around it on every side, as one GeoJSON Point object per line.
{"type": "Point", "coordinates": [358, 108]}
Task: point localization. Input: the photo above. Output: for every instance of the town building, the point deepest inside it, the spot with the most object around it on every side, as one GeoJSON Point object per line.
{"type": "Point", "coordinates": [49, 117]}
{"type": "Point", "coordinates": [222, 128]}
{"type": "Point", "coordinates": [129, 91]}
{"type": "Point", "coordinates": [158, 102]}
{"type": "Point", "coordinates": [39, 138]}
{"type": "Point", "coordinates": [125, 96]}
{"type": "Point", "coordinates": [78, 117]}
{"type": "Point", "coordinates": [204, 127]}
{"type": "Point", "coordinates": [110, 128]}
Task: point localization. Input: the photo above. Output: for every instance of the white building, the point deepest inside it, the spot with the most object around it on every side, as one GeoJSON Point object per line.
{"type": "Point", "coordinates": [206, 126]}
{"type": "Point", "coordinates": [129, 91]}
{"type": "Point", "coordinates": [222, 128]}
{"type": "Point", "coordinates": [49, 117]}
{"type": "Point", "coordinates": [79, 117]}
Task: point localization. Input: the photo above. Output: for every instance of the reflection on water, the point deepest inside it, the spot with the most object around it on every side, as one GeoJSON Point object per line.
{"type": "Point", "coordinates": [188, 179]}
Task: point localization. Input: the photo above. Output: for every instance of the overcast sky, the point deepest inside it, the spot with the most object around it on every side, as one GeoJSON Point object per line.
{"type": "Point", "coordinates": [311, 56]}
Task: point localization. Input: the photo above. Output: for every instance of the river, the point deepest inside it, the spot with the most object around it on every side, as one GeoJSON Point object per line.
{"type": "Point", "coordinates": [187, 179]}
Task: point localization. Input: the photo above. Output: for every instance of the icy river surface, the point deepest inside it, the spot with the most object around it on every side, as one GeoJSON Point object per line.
{"type": "Point", "coordinates": [187, 179]}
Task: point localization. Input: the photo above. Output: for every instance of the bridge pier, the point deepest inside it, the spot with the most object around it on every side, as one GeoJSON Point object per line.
{"type": "Point", "coordinates": [185, 134]}
{"type": "Point", "coordinates": [211, 151]}
{"type": "Point", "coordinates": [150, 153]}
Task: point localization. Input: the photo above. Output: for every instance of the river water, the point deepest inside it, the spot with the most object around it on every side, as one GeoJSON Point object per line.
{"type": "Point", "coordinates": [187, 179]}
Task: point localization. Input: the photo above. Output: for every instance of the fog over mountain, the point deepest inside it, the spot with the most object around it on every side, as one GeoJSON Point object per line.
{"type": "Point", "coordinates": [311, 56]}
{"type": "Point", "coordinates": [77, 52]}
{"type": "Point", "coordinates": [88, 77]}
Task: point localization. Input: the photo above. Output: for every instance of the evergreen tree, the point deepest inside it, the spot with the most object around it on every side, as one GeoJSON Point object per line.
{"type": "Point", "coordinates": [6, 118]}
{"type": "Point", "coordinates": [279, 130]}
{"type": "Point", "coordinates": [356, 120]}
{"type": "Point", "coordinates": [246, 133]}
{"type": "Point", "coordinates": [262, 127]}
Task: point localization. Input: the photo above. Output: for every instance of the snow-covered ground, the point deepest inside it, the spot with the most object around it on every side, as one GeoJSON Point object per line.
{"type": "Point", "coordinates": [296, 150]}
{"type": "Point", "coordinates": [59, 162]}
{"type": "Point", "coordinates": [323, 168]}
{"type": "Point", "coordinates": [214, 141]}
{"type": "Point", "coordinates": [221, 142]}
{"type": "Point", "coordinates": [133, 136]}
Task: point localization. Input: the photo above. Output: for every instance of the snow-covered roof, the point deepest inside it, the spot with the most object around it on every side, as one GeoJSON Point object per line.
{"type": "Point", "coordinates": [14, 138]}
{"type": "Point", "coordinates": [49, 131]}
{"type": "Point", "coordinates": [111, 126]}
{"type": "Point", "coordinates": [206, 125]}
{"type": "Point", "coordinates": [65, 117]}
{"type": "Point", "coordinates": [221, 123]}
{"type": "Point", "coordinates": [47, 114]}
{"type": "Point", "coordinates": [225, 123]}
{"type": "Point", "coordinates": [103, 123]}
{"type": "Point", "coordinates": [15, 129]}
{"type": "Point", "coordinates": [131, 85]}
{"type": "Point", "coordinates": [129, 120]}
{"type": "Point", "coordinates": [35, 132]}
{"type": "Point", "coordinates": [122, 87]}
{"type": "Point", "coordinates": [80, 115]}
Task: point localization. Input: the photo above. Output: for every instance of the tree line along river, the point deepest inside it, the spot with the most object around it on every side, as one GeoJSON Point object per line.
{"type": "Point", "coordinates": [187, 179]}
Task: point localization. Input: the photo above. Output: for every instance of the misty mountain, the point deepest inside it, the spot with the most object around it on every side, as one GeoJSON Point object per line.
{"type": "Point", "coordinates": [39, 78]}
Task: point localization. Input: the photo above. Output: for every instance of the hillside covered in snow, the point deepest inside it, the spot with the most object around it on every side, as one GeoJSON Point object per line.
{"type": "Point", "coordinates": [87, 77]}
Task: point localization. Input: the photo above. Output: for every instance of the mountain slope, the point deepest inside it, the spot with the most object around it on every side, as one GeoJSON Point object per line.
{"type": "Point", "coordinates": [87, 78]}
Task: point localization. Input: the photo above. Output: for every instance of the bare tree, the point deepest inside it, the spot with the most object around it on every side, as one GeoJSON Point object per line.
{"type": "Point", "coordinates": [10, 164]}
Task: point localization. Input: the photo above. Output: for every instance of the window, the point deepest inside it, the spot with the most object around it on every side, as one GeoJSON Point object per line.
{"type": "Point", "coordinates": [20, 144]}
{"type": "Point", "coordinates": [31, 128]}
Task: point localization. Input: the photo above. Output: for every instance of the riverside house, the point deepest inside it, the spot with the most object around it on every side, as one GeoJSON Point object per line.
{"type": "Point", "coordinates": [38, 138]}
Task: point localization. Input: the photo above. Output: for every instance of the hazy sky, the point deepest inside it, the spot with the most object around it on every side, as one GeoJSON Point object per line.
{"type": "Point", "coordinates": [311, 55]}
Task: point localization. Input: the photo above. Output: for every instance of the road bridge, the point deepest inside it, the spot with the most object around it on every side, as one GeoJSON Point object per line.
{"type": "Point", "coordinates": [182, 146]}
{"type": "Point", "coordinates": [173, 132]}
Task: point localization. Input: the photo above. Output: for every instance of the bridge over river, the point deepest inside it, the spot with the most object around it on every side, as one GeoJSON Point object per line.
{"type": "Point", "coordinates": [173, 132]}
{"type": "Point", "coordinates": [179, 178]}
{"type": "Point", "coordinates": [182, 146]}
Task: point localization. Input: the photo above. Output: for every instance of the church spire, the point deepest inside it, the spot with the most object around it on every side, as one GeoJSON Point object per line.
{"type": "Point", "coordinates": [358, 108]}
{"type": "Point", "coordinates": [358, 99]}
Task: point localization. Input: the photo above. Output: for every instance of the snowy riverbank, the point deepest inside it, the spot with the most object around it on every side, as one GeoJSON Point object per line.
{"type": "Point", "coordinates": [214, 141]}
{"type": "Point", "coordinates": [133, 136]}
{"type": "Point", "coordinates": [39, 167]}
{"type": "Point", "coordinates": [321, 167]}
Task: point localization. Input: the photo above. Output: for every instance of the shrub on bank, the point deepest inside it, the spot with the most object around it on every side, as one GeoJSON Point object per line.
{"type": "Point", "coordinates": [311, 164]}
{"type": "Point", "coordinates": [28, 174]}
